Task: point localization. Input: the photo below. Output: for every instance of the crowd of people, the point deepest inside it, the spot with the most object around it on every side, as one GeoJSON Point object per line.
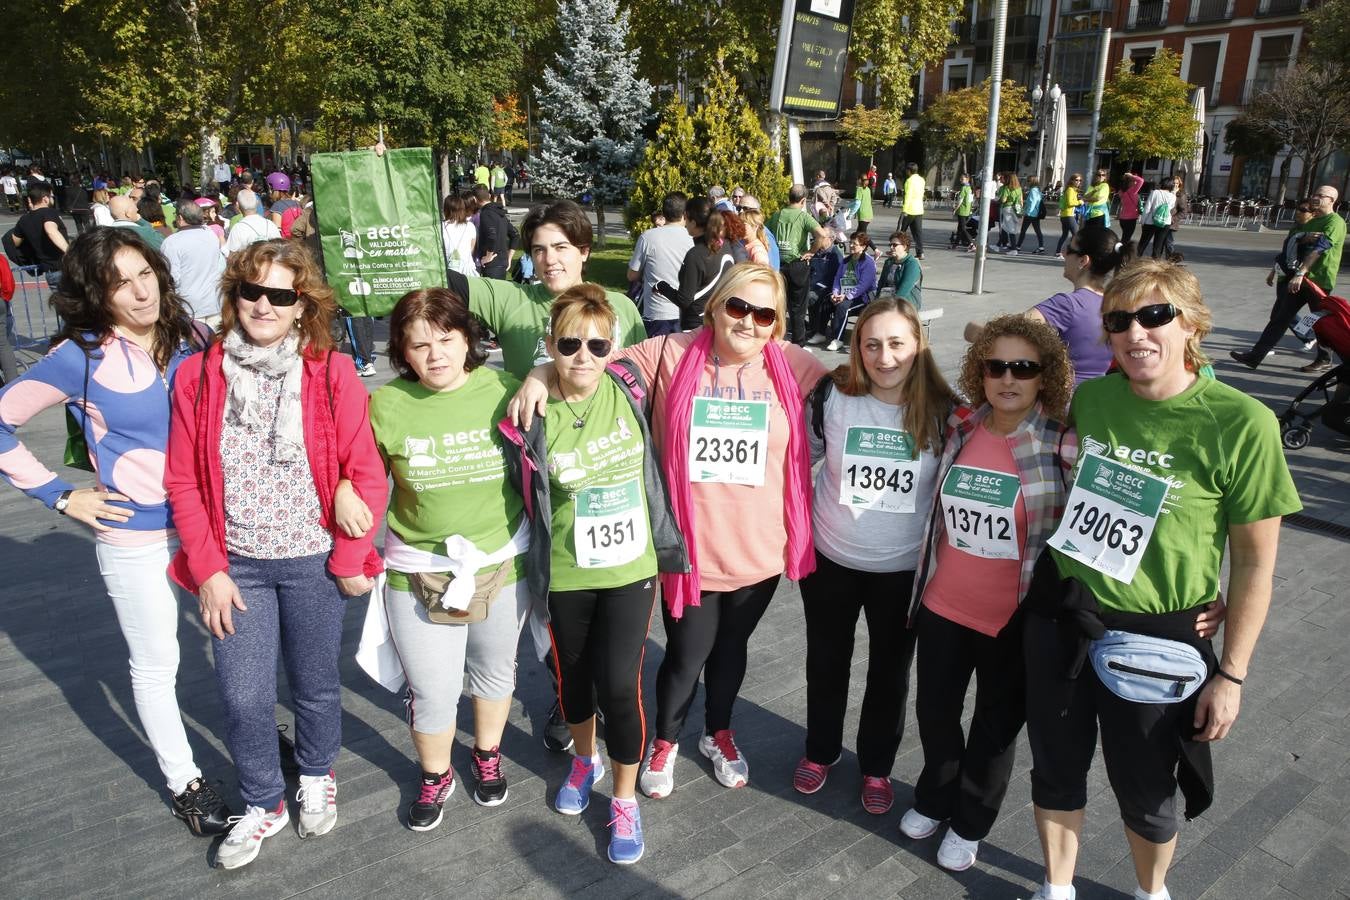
{"type": "Point", "coordinates": [1052, 525]}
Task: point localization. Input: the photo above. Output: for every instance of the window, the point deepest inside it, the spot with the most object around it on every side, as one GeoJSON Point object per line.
{"type": "Point", "coordinates": [958, 77]}
{"type": "Point", "coordinates": [1140, 57]}
{"type": "Point", "coordinates": [1204, 66]}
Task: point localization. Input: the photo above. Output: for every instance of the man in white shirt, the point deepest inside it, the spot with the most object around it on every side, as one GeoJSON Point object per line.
{"type": "Point", "coordinates": [658, 255]}
{"type": "Point", "coordinates": [11, 188]}
{"type": "Point", "coordinates": [222, 175]}
{"type": "Point", "coordinates": [195, 261]}
{"type": "Point", "coordinates": [252, 227]}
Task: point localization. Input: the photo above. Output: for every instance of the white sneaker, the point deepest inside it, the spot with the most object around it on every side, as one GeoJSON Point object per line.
{"type": "Point", "coordinates": [956, 853]}
{"type": "Point", "coordinates": [729, 766]}
{"type": "Point", "coordinates": [242, 844]}
{"type": "Point", "coordinates": [657, 778]}
{"type": "Point", "coordinates": [317, 797]}
{"type": "Point", "coordinates": [833, 346]}
{"type": "Point", "coordinates": [1013, 252]}
{"type": "Point", "coordinates": [815, 340]}
{"type": "Point", "coordinates": [914, 824]}
{"type": "Point", "coordinates": [1043, 893]}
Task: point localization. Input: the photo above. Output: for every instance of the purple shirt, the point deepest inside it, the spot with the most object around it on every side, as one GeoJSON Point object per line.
{"type": "Point", "coordinates": [1077, 316]}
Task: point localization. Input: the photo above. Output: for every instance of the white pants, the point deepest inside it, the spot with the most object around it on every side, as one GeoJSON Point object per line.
{"type": "Point", "coordinates": [147, 609]}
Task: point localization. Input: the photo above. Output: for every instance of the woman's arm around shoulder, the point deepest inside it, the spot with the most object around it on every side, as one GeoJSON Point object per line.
{"type": "Point", "coordinates": [187, 501]}
{"type": "Point", "coordinates": [359, 462]}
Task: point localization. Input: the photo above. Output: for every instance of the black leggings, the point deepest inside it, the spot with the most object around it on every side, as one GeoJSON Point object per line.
{"type": "Point", "coordinates": [1032, 222]}
{"type": "Point", "coordinates": [832, 597]}
{"type": "Point", "coordinates": [599, 638]}
{"type": "Point", "coordinates": [1067, 226]}
{"type": "Point", "coordinates": [710, 638]}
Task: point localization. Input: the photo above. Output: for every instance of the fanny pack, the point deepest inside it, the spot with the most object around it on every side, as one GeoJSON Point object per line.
{"type": "Point", "coordinates": [1145, 669]}
{"type": "Point", "coordinates": [430, 587]}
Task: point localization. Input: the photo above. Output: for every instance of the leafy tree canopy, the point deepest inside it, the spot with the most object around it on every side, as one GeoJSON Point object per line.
{"type": "Point", "coordinates": [1149, 113]}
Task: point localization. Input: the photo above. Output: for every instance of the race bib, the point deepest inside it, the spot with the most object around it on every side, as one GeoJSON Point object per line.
{"type": "Point", "coordinates": [728, 440]}
{"type": "Point", "coordinates": [610, 525]}
{"type": "Point", "coordinates": [1109, 520]}
{"type": "Point", "coordinates": [979, 509]}
{"type": "Point", "coordinates": [879, 470]}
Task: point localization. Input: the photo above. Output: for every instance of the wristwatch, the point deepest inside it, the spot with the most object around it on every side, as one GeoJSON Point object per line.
{"type": "Point", "coordinates": [62, 502]}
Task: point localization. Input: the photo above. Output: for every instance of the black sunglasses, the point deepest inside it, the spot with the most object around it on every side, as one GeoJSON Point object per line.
{"type": "Point", "coordinates": [739, 309]}
{"type": "Point", "coordinates": [275, 296]}
{"type": "Point", "coordinates": [1022, 369]}
{"type": "Point", "coordinates": [1155, 315]}
{"type": "Point", "coordinates": [570, 346]}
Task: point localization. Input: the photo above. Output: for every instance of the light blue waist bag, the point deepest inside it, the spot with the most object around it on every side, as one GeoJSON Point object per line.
{"type": "Point", "coordinates": [1145, 669]}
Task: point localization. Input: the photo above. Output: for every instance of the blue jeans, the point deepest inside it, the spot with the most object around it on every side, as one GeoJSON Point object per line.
{"type": "Point", "coordinates": [295, 609]}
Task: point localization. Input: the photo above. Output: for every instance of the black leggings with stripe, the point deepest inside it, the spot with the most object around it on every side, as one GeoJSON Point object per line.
{"type": "Point", "coordinates": [599, 637]}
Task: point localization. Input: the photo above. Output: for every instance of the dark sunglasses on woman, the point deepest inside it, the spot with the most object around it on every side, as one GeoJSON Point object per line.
{"type": "Point", "coordinates": [1155, 315]}
{"type": "Point", "coordinates": [570, 345]}
{"type": "Point", "coordinates": [275, 296]}
{"type": "Point", "coordinates": [1022, 369]}
{"type": "Point", "coordinates": [739, 309]}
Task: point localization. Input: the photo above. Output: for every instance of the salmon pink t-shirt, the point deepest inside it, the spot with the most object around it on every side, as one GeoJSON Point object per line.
{"type": "Point", "coordinates": [970, 590]}
{"type": "Point", "coordinates": [740, 529]}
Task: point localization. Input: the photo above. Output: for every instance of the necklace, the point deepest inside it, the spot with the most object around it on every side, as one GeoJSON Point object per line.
{"type": "Point", "coordinates": [580, 417]}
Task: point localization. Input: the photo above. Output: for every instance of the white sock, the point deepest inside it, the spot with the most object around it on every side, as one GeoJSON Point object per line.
{"type": "Point", "coordinates": [1141, 894]}
{"type": "Point", "coordinates": [1057, 891]}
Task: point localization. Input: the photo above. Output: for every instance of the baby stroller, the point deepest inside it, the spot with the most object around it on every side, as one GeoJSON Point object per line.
{"type": "Point", "coordinates": [973, 226]}
{"type": "Point", "coordinates": [1333, 387]}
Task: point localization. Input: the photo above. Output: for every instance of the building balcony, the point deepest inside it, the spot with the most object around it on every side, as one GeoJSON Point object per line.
{"type": "Point", "coordinates": [1282, 7]}
{"type": "Point", "coordinates": [1019, 28]}
{"type": "Point", "coordinates": [1256, 86]}
{"type": "Point", "coordinates": [1210, 11]}
{"type": "Point", "coordinates": [1150, 14]}
{"type": "Point", "coordinates": [1068, 7]}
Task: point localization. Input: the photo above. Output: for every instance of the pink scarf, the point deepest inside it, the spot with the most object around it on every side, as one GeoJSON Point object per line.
{"type": "Point", "coordinates": [682, 589]}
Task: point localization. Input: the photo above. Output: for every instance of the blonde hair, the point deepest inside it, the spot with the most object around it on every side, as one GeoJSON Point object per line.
{"type": "Point", "coordinates": [927, 397]}
{"type": "Point", "coordinates": [754, 223]}
{"type": "Point", "coordinates": [1056, 370]}
{"type": "Point", "coordinates": [579, 306]}
{"type": "Point", "coordinates": [736, 278]}
{"type": "Point", "coordinates": [1140, 281]}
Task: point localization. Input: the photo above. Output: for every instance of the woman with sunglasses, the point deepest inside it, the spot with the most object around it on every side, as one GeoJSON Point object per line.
{"type": "Point", "coordinates": [1068, 212]}
{"type": "Point", "coordinates": [602, 526]}
{"type": "Point", "coordinates": [272, 472]}
{"type": "Point", "coordinates": [125, 333]}
{"type": "Point", "coordinates": [877, 422]}
{"type": "Point", "coordinates": [727, 414]}
{"type": "Point", "coordinates": [1091, 258]}
{"type": "Point", "coordinates": [452, 513]}
{"type": "Point", "coordinates": [1177, 466]}
{"type": "Point", "coordinates": [1001, 491]}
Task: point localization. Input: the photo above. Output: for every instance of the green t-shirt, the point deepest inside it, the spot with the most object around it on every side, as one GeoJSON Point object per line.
{"type": "Point", "coordinates": [519, 316]}
{"type": "Point", "coordinates": [1218, 449]}
{"type": "Point", "coordinates": [444, 452]}
{"type": "Point", "coordinates": [864, 196]}
{"type": "Point", "coordinates": [965, 201]}
{"type": "Point", "coordinates": [595, 481]}
{"type": "Point", "coordinates": [1323, 272]}
{"type": "Point", "coordinates": [793, 229]}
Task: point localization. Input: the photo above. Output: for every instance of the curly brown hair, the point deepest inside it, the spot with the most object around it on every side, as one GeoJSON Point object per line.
{"type": "Point", "coordinates": [1056, 371]}
{"type": "Point", "coordinates": [248, 264]}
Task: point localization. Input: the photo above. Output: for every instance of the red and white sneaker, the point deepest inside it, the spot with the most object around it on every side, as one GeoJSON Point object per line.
{"type": "Point", "coordinates": [317, 797]}
{"type": "Point", "coordinates": [729, 766]}
{"type": "Point", "coordinates": [657, 778]}
{"type": "Point", "coordinates": [242, 844]}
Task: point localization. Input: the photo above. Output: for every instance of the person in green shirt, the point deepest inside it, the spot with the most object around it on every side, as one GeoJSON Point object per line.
{"type": "Point", "coordinates": [1172, 468]}
{"type": "Point", "coordinates": [965, 205]}
{"type": "Point", "coordinates": [597, 536]}
{"type": "Point", "coordinates": [1068, 213]}
{"type": "Point", "coordinates": [1098, 199]}
{"type": "Point", "coordinates": [911, 206]}
{"type": "Point", "coordinates": [482, 175]}
{"type": "Point", "coordinates": [796, 232]}
{"type": "Point", "coordinates": [1316, 265]}
{"type": "Point", "coordinates": [452, 515]}
{"type": "Point", "coordinates": [863, 195]}
{"type": "Point", "coordinates": [1009, 211]}
{"type": "Point", "coordinates": [558, 238]}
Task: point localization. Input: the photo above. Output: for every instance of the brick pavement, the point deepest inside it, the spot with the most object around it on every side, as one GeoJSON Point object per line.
{"type": "Point", "coordinates": [86, 817]}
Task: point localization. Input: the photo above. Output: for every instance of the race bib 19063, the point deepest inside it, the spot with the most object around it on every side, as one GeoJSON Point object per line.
{"type": "Point", "coordinates": [1110, 516]}
{"type": "Point", "coordinates": [610, 526]}
{"type": "Point", "coordinates": [979, 509]}
{"type": "Point", "coordinates": [878, 470]}
{"type": "Point", "coordinates": [728, 440]}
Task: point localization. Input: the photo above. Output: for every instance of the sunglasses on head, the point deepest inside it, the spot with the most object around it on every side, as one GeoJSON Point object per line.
{"type": "Point", "coordinates": [739, 309]}
{"type": "Point", "coordinates": [570, 345]}
{"type": "Point", "coordinates": [1022, 369]}
{"type": "Point", "coordinates": [275, 296]}
{"type": "Point", "coordinates": [1155, 315]}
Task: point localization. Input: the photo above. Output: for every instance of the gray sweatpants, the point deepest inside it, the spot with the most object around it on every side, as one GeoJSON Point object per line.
{"type": "Point", "coordinates": [435, 657]}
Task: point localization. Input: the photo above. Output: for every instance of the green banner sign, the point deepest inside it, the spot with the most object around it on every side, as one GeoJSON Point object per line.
{"type": "Point", "coordinates": [380, 226]}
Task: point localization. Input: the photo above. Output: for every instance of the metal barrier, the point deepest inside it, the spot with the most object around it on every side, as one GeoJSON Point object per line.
{"type": "Point", "coordinates": [29, 322]}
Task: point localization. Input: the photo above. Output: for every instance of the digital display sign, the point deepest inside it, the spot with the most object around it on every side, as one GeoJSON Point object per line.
{"type": "Point", "coordinates": [817, 55]}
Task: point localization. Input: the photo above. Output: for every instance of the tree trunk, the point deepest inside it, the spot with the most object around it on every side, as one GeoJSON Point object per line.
{"type": "Point", "coordinates": [599, 224]}
{"type": "Point", "coordinates": [443, 164]}
{"type": "Point", "coordinates": [293, 126]}
{"type": "Point", "coordinates": [205, 159]}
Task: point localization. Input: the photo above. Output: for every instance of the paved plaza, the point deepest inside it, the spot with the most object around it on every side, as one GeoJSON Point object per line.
{"type": "Point", "coordinates": [86, 815]}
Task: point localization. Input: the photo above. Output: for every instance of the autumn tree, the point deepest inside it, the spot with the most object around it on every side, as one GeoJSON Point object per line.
{"type": "Point", "coordinates": [957, 122]}
{"type": "Point", "coordinates": [865, 131]}
{"type": "Point", "coordinates": [1148, 114]}
{"type": "Point", "coordinates": [1326, 28]}
{"type": "Point", "coordinates": [897, 39]}
{"type": "Point", "coordinates": [720, 142]}
{"type": "Point", "coordinates": [1306, 112]}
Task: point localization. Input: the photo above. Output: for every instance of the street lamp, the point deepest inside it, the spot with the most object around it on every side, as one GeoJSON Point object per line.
{"type": "Point", "coordinates": [1042, 112]}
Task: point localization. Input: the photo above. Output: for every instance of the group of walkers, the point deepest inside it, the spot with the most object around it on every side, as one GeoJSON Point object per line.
{"type": "Point", "coordinates": [1054, 527]}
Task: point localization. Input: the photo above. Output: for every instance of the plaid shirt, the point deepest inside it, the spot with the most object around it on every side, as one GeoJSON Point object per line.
{"type": "Point", "coordinates": [1044, 451]}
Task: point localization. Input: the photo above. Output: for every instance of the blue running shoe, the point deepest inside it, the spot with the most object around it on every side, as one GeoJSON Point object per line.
{"type": "Point", "coordinates": [625, 833]}
{"type": "Point", "coordinates": [575, 794]}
